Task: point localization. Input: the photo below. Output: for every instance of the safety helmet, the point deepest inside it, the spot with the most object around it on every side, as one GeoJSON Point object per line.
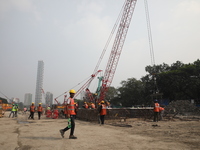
{"type": "Point", "coordinates": [155, 100]}
{"type": "Point", "coordinates": [32, 102]}
{"type": "Point", "coordinates": [40, 103]}
{"type": "Point", "coordinates": [72, 91]}
{"type": "Point", "coordinates": [13, 104]}
{"type": "Point", "coordinates": [102, 102]}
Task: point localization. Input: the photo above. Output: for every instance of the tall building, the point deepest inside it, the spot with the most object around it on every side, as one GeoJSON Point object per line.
{"type": "Point", "coordinates": [27, 99]}
{"type": "Point", "coordinates": [49, 99]}
{"type": "Point", "coordinates": [39, 82]}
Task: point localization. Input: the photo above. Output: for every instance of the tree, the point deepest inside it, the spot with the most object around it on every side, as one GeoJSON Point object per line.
{"type": "Point", "coordinates": [131, 93]}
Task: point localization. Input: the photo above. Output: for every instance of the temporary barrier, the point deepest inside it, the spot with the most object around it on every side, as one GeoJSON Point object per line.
{"type": "Point", "coordinates": [48, 114]}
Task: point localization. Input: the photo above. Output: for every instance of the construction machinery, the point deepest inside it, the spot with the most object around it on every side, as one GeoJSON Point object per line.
{"type": "Point", "coordinates": [106, 80]}
{"type": "Point", "coordinates": [119, 40]}
{"type": "Point", "coordinates": [120, 37]}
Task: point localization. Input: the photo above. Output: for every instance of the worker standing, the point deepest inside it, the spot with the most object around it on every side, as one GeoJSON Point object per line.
{"type": "Point", "coordinates": [156, 110]}
{"type": "Point", "coordinates": [13, 110]}
{"type": "Point", "coordinates": [32, 111]}
{"type": "Point", "coordinates": [16, 107]}
{"type": "Point", "coordinates": [103, 112]}
{"type": "Point", "coordinates": [92, 106]}
{"type": "Point", "coordinates": [39, 110]}
{"type": "Point", "coordinates": [85, 105]}
{"type": "Point", "coordinates": [70, 114]}
{"type": "Point", "coordinates": [25, 110]}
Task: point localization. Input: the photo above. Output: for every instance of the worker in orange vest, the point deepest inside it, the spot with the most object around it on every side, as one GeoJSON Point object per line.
{"type": "Point", "coordinates": [102, 112]}
{"type": "Point", "coordinates": [32, 111]}
{"type": "Point", "coordinates": [156, 110]}
{"type": "Point", "coordinates": [39, 110]}
{"type": "Point", "coordinates": [85, 105]}
{"type": "Point", "coordinates": [92, 106]}
{"type": "Point", "coordinates": [70, 114]}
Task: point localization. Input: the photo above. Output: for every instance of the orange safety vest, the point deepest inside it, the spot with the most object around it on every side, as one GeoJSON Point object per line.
{"type": "Point", "coordinates": [103, 110]}
{"type": "Point", "coordinates": [39, 108]}
{"type": "Point", "coordinates": [93, 106]}
{"type": "Point", "coordinates": [156, 107]}
{"type": "Point", "coordinates": [70, 107]}
{"type": "Point", "coordinates": [32, 108]}
{"type": "Point", "coordinates": [86, 106]}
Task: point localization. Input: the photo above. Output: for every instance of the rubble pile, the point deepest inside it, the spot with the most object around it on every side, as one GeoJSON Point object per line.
{"type": "Point", "coordinates": [182, 107]}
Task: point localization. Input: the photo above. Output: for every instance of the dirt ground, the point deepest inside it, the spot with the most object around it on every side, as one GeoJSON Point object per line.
{"type": "Point", "coordinates": [134, 134]}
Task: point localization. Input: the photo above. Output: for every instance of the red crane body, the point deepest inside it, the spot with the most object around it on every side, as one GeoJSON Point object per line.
{"type": "Point", "coordinates": [117, 47]}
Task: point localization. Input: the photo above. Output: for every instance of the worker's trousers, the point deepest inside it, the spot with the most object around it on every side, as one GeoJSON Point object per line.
{"type": "Point", "coordinates": [102, 119]}
{"type": "Point", "coordinates": [39, 114]}
{"type": "Point", "coordinates": [12, 112]}
{"type": "Point", "coordinates": [155, 116]}
{"type": "Point", "coordinates": [72, 125]}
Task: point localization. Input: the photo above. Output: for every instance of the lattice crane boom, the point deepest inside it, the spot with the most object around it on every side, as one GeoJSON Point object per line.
{"type": "Point", "coordinates": [117, 47]}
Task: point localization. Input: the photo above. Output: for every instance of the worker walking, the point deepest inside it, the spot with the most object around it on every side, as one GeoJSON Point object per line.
{"type": "Point", "coordinates": [13, 111]}
{"type": "Point", "coordinates": [156, 110]}
{"type": "Point", "coordinates": [102, 112]}
{"type": "Point", "coordinates": [32, 111]}
{"type": "Point", "coordinates": [70, 114]}
{"type": "Point", "coordinates": [39, 110]}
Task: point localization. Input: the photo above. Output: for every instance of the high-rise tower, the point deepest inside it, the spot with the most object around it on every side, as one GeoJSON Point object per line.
{"type": "Point", "coordinates": [39, 83]}
{"type": "Point", "coordinates": [49, 99]}
{"type": "Point", "coordinates": [27, 99]}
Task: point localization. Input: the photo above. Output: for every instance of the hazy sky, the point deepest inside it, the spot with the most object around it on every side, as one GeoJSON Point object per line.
{"type": "Point", "coordinates": [69, 36]}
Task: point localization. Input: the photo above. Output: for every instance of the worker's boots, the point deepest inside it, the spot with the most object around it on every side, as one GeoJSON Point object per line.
{"type": "Point", "coordinates": [72, 137]}
{"type": "Point", "coordinates": [62, 133]}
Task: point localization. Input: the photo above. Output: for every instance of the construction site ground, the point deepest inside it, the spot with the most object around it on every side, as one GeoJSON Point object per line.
{"type": "Point", "coordinates": [130, 134]}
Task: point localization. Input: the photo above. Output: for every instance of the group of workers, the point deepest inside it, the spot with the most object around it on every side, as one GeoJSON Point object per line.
{"type": "Point", "coordinates": [33, 109]}
{"type": "Point", "coordinates": [71, 111]}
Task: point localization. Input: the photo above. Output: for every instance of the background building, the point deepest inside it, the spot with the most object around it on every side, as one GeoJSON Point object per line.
{"type": "Point", "coordinates": [27, 99]}
{"type": "Point", "coordinates": [49, 99]}
{"type": "Point", "coordinates": [39, 83]}
{"type": "Point", "coordinates": [16, 100]}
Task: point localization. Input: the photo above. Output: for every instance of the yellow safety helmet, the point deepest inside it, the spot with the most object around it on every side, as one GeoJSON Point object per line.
{"type": "Point", "coordinates": [102, 102]}
{"type": "Point", "coordinates": [32, 102]}
{"type": "Point", "coordinates": [72, 91]}
{"type": "Point", "coordinates": [40, 103]}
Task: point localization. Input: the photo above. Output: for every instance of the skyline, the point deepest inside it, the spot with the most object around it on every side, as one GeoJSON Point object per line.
{"type": "Point", "coordinates": [69, 36]}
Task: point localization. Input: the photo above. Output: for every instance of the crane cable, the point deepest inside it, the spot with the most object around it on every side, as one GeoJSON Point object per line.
{"type": "Point", "coordinates": [149, 33]}
{"type": "Point", "coordinates": [105, 48]}
{"type": "Point", "coordinates": [109, 39]}
{"type": "Point", "coordinates": [150, 43]}
{"type": "Point", "coordinates": [73, 87]}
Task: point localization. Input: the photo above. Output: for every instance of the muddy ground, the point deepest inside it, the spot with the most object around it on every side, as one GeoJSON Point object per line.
{"type": "Point", "coordinates": [132, 134]}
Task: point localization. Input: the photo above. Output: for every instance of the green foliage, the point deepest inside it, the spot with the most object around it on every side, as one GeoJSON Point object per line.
{"type": "Point", "coordinates": [178, 81]}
